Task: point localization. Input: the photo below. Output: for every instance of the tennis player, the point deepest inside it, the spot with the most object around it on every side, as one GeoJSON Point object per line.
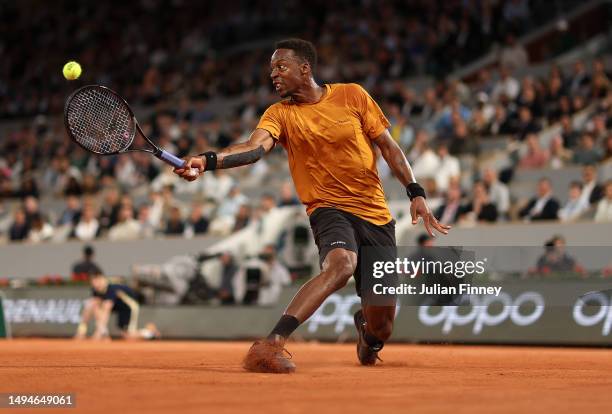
{"type": "Point", "coordinates": [328, 132]}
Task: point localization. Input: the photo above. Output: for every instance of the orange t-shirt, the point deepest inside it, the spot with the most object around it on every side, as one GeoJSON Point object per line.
{"type": "Point", "coordinates": [329, 145]}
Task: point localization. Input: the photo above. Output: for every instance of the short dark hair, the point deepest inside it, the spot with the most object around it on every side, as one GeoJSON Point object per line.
{"type": "Point", "coordinates": [302, 48]}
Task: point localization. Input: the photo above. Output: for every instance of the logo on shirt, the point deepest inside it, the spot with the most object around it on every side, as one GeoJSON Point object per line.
{"type": "Point", "coordinates": [336, 243]}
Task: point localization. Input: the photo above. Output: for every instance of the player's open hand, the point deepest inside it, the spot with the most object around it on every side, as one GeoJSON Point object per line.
{"type": "Point", "coordinates": [192, 169]}
{"type": "Point", "coordinates": [419, 208]}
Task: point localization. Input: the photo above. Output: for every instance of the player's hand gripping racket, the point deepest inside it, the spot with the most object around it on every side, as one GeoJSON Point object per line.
{"type": "Point", "coordinates": [102, 122]}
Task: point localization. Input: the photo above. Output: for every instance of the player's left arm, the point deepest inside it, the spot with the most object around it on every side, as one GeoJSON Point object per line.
{"type": "Point", "coordinates": [394, 156]}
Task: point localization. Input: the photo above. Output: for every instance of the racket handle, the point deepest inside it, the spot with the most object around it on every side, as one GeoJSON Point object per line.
{"type": "Point", "coordinates": [171, 159]}
{"type": "Point", "coordinates": [175, 161]}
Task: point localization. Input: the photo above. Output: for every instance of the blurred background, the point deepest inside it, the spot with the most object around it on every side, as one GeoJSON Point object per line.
{"type": "Point", "coordinates": [503, 108]}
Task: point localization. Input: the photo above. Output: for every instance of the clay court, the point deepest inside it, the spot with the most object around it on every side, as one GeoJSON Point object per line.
{"type": "Point", "coordinates": [190, 377]}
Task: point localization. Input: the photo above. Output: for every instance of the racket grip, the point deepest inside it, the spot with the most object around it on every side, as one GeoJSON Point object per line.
{"type": "Point", "coordinates": [171, 159]}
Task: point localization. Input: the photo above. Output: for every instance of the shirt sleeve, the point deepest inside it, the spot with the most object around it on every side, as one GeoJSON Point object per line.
{"type": "Point", "coordinates": [111, 293]}
{"type": "Point", "coordinates": [271, 122]}
{"type": "Point", "coordinates": [373, 120]}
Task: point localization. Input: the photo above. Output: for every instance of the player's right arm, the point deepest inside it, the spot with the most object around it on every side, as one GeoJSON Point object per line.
{"type": "Point", "coordinates": [260, 142]}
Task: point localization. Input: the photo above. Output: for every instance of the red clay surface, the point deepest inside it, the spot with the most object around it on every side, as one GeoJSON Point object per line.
{"type": "Point", "coordinates": [202, 377]}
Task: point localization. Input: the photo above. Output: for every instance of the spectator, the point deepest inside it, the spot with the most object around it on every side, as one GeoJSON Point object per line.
{"type": "Point", "coordinates": [501, 125]}
{"type": "Point", "coordinates": [175, 224]}
{"type": "Point", "coordinates": [559, 155]}
{"type": "Point", "coordinates": [424, 161]}
{"type": "Point", "coordinates": [542, 207]}
{"type": "Point", "coordinates": [604, 206]}
{"type": "Point", "coordinates": [480, 209]}
{"type": "Point", "coordinates": [513, 54]}
{"type": "Point", "coordinates": [499, 194]}
{"type": "Point", "coordinates": [88, 227]}
{"type": "Point", "coordinates": [448, 212]}
{"type": "Point", "coordinates": [287, 195]}
{"type": "Point", "coordinates": [20, 228]}
{"type": "Point", "coordinates": [110, 208]}
{"type": "Point", "coordinates": [555, 259]}
{"type": "Point", "coordinates": [72, 213]}
{"type": "Point", "coordinates": [40, 229]}
{"type": "Point", "coordinates": [592, 191]}
{"type": "Point", "coordinates": [526, 124]}
{"type": "Point", "coordinates": [147, 226]}
{"type": "Point", "coordinates": [506, 85]}
{"type": "Point", "coordinates": [87, 267]}
{"type": "Point", "coordinates": [448, 168]}
{"type": "Point", "coordinates": [197, 222]}
{"type": "Point", "coordinates": [575, 206]}
{"type": "Point", "coordinates": [127, 228]}
{"type": "Point", "coordinates": [536, 157]}
{"type": "Point", "coordinates": [569, 135]}
{"type": "Point", "coordinates": [607, 156]}
{"type": "Point", "coordinates": [587, 153]}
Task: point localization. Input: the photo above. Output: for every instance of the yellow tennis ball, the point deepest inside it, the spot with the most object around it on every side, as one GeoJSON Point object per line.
{"type": "Point", "coordinates": [72, 70]}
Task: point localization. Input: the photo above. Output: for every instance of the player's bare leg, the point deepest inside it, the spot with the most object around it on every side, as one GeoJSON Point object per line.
{"type": "Point", "coordinates": [269, 355]}
{"type": "Point", "coordinates": [374, 325]}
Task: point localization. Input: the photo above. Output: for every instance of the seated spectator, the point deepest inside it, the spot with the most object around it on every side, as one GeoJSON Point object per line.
{"type": "Point", "coordinates": [480, 208]}
{"type": "Point", "coordinates": [197, 222]}
{"type": "Point", "coordinates": [513, 54]}
{"type": "Point", "coordinates": [127, 228]}
{"type": "Point", "coordinates": [526, 124]}
{"type": "Point", "coordinates": [592, 191]}
{"type": "Point", "coordinates": [501, 123]}
{"type": "Point", "coordinates": [424, 162]}
{"type": "Point", "coordinates": [147, 226]}
{"type": "Point", "coordinates": [72, 213]}
{"type": "Point", "coordinates": [568, 133]}
{"type": "Point", "coordinates": [575, 206]}
{"type": "Point", "coordinates": [175, 224]}
{"type": "Point", "coordinates": [587, 153]}
{"type": "Point", "coordinates": [287, 195]}
{"type": "Point", "coordinates": [499, 194]}
{"type": "Point", "coordinates": [230, 205]}
{"type": "Point", "coordinates": [448, 168]}
{"type": "Point", "coordinates": [607, 153]}
{"type": "Point", "coordinates": [604, 206]}
{"type": "Point", "coordinates": [542, 207]}
{"type": "Point", "coordinates": [88, 227]}
{"type": "Point", "coordinates": [536, 157]}
{"type": "Point", "coordinates": [20, 227]}
{"type": "Point", "coordinates": [506, 86]}
{"type": "Point", "coordinates": [40, 229]}
{"type": "Point", "coordinates": [448, 212]}
{"type": "Point", "coordinates": [559, 155]}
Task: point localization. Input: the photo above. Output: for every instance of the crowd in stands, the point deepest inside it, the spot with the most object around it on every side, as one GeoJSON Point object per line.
{"type": "Point", "coordinates": [442, 128]}
{"type": "Point", "coordinates": [152, 50]}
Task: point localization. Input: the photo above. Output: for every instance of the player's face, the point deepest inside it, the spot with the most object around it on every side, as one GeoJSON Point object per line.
{"type": "Point", "coordinates": [287, 72]}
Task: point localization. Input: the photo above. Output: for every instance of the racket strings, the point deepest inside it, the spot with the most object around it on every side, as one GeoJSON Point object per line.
{"type": "Point", "coordinates": [100, 121]}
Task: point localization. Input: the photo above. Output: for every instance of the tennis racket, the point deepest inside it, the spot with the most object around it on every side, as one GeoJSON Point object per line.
{"type": "Point", "coordinates": [102, 122]}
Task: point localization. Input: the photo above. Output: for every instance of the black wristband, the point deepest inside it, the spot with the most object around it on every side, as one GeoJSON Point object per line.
{"type": "Point", "coordinates": [414, 190]}
{"type": "Point", "coordinates": [211, 160]}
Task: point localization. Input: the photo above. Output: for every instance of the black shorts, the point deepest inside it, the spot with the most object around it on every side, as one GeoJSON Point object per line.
{"type": "Point", "coordinates": [124, 314]}
{"type": "Point", "coordinates": [333, 228]}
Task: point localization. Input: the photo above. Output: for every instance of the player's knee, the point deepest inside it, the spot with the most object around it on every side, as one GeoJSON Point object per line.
{"type": "Point", "coordinates": [340, 269]}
